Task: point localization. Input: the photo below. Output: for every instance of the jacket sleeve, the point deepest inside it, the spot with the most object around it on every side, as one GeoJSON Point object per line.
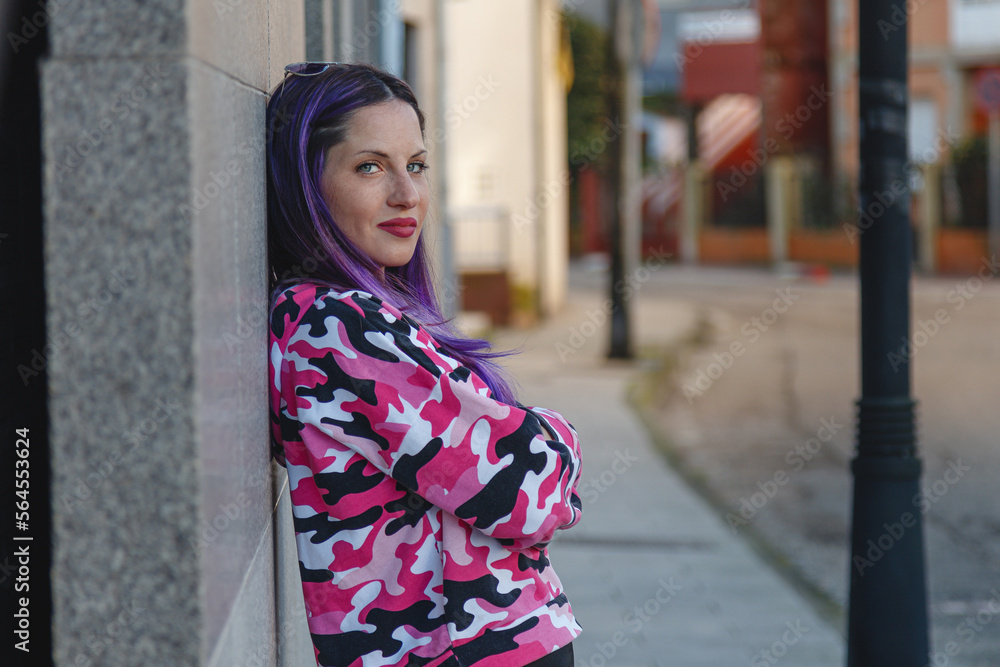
{"type": "Point", "coordinates": [360, 374]}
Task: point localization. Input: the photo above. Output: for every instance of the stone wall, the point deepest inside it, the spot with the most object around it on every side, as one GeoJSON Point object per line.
{"type": "Point", "coordinates": [167, 546]}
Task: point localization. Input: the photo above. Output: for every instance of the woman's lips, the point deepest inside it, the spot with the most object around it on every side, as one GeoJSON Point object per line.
{"type": "Point", "coordinates": [404, 227]}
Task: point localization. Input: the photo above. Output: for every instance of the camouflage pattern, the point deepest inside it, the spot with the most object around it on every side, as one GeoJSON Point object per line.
{"type": "Point", "coordinates": [422, 506]}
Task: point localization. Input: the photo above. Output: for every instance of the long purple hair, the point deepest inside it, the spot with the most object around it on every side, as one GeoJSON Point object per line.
{"type": "Point", "coordinates": [306, 115]}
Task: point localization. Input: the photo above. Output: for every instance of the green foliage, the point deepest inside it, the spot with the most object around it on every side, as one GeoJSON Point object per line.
{"type": "Point", "coordinates": [586, 103]}
{"type": "Point", "coordinates": [970, 152]}
{"type": "Point", "coordinates": [665, 103]}
{"type": "Point", "coordinates": [970, 162]}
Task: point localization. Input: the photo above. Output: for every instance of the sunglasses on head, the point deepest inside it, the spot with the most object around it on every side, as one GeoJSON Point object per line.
{"type": "Point", "coordinates": [308, 69]}
{"type": "Point", "coordinates": [304, 69]}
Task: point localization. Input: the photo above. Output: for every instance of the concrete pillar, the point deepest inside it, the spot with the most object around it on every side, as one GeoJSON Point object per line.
{"type": "Point", "coordinates": [695, 209]}
{"type": "Point", "coordinates": [163, 491]}
{"type": "Point", "coordinates": [929, 218]}
{"type": "Point", "coordinates": [347, 50]}
{"type": "Point", "coordinates": [781, 203]}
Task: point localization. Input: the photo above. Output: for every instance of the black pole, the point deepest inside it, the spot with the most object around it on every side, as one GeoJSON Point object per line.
{"type": "Point", "coordinates": [887, 623]}
{"type": "Point", "coordinates": [619, 347]}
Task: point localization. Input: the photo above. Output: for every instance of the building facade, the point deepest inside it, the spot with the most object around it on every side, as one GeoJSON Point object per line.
{"type": "Point", "coordinates": [508, 180]}
{"type": "Point", "coordinates": [952, 44]}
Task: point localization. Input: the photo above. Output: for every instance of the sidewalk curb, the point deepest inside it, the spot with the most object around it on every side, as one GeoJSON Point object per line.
{"type": "Point", "coordinates": [641, 390]}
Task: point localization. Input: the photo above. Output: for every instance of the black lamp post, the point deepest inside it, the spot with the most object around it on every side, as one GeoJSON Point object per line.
{"type": "Point", "coordinates": [620, 343]}
{"type": "Point", "coordinates": [887, 622]}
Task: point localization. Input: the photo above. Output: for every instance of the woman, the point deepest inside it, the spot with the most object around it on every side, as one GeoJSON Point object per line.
{"type": "Point", "coordinates": [423, 493]}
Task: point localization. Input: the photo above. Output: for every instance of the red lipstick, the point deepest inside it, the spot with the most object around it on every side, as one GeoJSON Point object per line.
{"type": "Point", "coordinates": [404, 227]}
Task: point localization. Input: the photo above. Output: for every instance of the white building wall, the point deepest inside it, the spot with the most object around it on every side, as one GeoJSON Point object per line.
{"type": "Point", "coordinates": [490, 123]}
{"type": "Point", "coordinates": [974, 24]}
{"type": "Point", "coordinates": [505, 117]}
{"type": "Point", "coordinates": [554, 189]}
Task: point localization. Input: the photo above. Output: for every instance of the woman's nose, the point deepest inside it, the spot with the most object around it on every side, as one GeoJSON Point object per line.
{"type": "Point", "coordinates": [404, 192]}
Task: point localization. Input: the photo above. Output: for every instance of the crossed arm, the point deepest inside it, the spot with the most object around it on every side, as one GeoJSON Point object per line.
{"type": "Point", "coordinates": [358, 373]}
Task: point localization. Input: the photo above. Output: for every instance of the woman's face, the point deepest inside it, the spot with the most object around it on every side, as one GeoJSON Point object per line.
{"type": "Point", "coordinates": [374, 182]}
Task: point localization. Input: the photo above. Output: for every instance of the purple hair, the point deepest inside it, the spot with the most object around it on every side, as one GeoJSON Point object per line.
{"type": "Point", "coordinates": [306, 115]}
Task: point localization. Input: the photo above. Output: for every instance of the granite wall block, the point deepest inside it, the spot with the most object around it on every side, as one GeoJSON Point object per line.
{"type": "Point", "coordinates": [121, 382]}
{"type": "Point", "coordinates": [166, 532]}
{"type": "Point", "coordinates": [117, 28]}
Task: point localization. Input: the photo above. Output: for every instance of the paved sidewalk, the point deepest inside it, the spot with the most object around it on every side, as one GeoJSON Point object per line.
{"type": "Point", "coordinates": [654, 575]}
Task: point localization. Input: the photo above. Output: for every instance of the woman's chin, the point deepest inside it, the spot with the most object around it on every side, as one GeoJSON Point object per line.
{"type": "Point", "coordinates": [396, 262]}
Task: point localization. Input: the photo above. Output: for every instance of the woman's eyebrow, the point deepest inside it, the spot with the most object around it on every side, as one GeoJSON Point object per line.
{"type": "Point", "coordinates": [386, 156]}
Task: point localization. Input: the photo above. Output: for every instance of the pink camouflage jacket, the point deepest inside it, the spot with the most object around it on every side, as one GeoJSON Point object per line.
{"type": "Point", "coordinates": [422, 506]}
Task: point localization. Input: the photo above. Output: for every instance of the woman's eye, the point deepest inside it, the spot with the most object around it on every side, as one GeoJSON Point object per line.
{"type": "Point", "coordinates": [418, 167]}
{"type": "Point", "coordinates": [367, 168]}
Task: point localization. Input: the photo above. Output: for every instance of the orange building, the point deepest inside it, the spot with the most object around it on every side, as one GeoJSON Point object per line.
{"type": "Point", "coordinates": [951, 42]}
{"type": "Point", "coordinates": [808, 131]}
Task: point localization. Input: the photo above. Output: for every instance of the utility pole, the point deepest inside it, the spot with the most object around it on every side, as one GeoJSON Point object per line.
{"type": "Point", "coordinates": [887, 622]}
{"type": "Point", "coordinates": [623, 174]}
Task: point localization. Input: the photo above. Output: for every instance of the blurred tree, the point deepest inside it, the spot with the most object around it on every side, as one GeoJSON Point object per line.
{"type": "Point", "coordinates": [969, 160]}
{"type": "Point", "coordinates": [588, 122]}
{"type": "Point", "coordinates": [586, 104]}
{"type": "Point", "coordinates": [664, 103]}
